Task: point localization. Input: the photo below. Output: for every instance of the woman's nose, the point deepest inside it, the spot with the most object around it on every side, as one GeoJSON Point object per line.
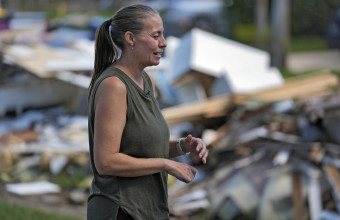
{"type": "Point", "coordinates": [163, 42]}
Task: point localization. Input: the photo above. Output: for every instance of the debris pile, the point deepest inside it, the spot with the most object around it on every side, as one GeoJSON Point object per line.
{"type": "Point", "coordinates": [273, 155]}
{"type": "Point", "coordinates": [42, 147]}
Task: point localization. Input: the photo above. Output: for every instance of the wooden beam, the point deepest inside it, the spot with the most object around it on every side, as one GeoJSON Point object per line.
{"type": "Point", "coordinates": [214, 107]}
{"type": "Point", "coordinates": [333, 177]}
{"type": "Point", "coordinates": [297, 196]}
{"type": "Point", "coordinates": [317, 84]}
{"type": "Point", "coordinates": [35, 63]}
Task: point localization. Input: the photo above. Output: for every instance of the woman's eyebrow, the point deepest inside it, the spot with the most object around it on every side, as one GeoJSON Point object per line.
{"type": "Point", "coordinates": [153, 32]}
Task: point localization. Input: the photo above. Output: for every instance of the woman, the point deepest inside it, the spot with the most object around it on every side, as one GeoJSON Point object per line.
{"type": "Point", "coordinates": [128, 136]}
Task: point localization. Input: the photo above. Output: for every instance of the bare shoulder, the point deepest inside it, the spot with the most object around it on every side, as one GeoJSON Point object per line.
{"type": "Point", "coordinates": [111, 90]}
{"type": "Point", "coordinates": [112, 84]}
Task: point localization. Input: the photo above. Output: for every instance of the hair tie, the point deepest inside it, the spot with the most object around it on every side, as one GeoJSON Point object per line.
{"type": "Point", "coordinates": [115, 47]}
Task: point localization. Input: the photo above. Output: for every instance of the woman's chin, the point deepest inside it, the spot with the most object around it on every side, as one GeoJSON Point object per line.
{"type": "Point", "coordinates": [155, 63]}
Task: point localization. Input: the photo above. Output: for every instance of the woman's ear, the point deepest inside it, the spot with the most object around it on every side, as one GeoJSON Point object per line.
{"type": "Point", "coordinates": [130, 38]}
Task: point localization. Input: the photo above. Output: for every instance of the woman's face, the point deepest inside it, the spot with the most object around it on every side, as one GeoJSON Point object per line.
{"type": "Point", "coordinates": [150, 43]}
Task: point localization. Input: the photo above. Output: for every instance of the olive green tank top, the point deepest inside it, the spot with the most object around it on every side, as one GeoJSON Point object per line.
{"type": "Point", "coordinates": [146, 135]}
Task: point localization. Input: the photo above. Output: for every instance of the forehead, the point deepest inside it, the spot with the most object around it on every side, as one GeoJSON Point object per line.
{"type": "Point", "coordinates": [153, 23]}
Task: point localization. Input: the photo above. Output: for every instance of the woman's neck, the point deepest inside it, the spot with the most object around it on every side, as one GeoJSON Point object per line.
{"type": "Point", "coordinates": [131, 69]}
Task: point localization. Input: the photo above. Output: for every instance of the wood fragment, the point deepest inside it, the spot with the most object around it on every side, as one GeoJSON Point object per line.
{"type": "Point", "coordinates": [213, 107]}
{"type": "Point", "coordinates": [297, 196]}
{"type": "Point", "coordinates": [317, 84]}
{"type": "Point", "coordinates": [333, 177]}
{"type": "Point", "coordinates": [299, 87]}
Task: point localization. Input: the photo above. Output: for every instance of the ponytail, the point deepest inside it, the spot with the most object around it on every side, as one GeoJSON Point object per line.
{"type": "Point", "coordinates": [105, 52]}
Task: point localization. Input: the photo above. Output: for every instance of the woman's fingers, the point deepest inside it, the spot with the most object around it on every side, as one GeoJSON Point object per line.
{"type": "Point", "coordinates": [205, 156]}
{"type": "Point", "coordinates": [188, 141]}
{"type": "Point", "coordinates": [200, 148]}
{"type": "Point", "coordinates": [190, 173]}
{"type": "Point", "coordinates": [193, 171]}
{"type": "Point", "coordinates": [181, 171]}
{"type": "Point", "coordinates": [197, 146]}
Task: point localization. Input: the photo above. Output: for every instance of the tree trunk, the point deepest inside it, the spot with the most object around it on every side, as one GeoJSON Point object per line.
{"type": "Point", "coordinates": [261, 20]}
{"type": "Point", "coordinates": [280, 31]}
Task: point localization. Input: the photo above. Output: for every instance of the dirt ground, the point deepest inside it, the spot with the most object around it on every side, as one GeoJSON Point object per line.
{"type": "Point", "coordinates": [58, 202]}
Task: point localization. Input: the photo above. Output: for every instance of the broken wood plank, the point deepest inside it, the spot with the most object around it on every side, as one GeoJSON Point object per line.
{"type": "Point", "coordinates": [33, 58]}
{"type": "Point", "coordinates": [21, 136]}
{"type": "Point", "coordinates": [333, 177]}
{"type": "Point", "coordinates": [14, 35]}
{"type": "Point", "coordinates": [220, 132]}
{"type": "Point", "coordinates": [317, 84]}
{"type": "Point", "coordinates": [213, 107]}
{"type": "Point", "coordinates": [297, 196]}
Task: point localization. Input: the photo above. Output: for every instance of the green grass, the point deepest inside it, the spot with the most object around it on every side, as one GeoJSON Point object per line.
{"type": "Point", "coordinates": [337, 72]}
{"type": "Point", "coordinates": [290, 74]}
{"type": "Point", "coordinates": [308, 43]}
{"type": "Point", "coordinates": [15, 212]}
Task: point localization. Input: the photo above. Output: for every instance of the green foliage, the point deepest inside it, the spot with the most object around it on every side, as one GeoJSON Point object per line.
{"type": "Point", "coordinates": [15, 212]}
{"type": "Point", "coordinates": [242, 11]}
{"type": "Point", "coordinates": [310, 17]}
{"type": "Point", "coordinates": [244, 33]}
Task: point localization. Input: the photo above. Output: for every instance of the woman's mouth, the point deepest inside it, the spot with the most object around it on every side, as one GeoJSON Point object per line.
{"type": "Point", "coordinates": [158, 54]}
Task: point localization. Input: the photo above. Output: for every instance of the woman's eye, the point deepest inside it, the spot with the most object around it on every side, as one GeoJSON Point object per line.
{"type": "Point", "coordinates": [155, 36]}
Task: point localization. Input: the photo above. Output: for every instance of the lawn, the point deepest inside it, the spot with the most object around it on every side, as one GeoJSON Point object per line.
{"type": "Point", "coordinates": [15, 212]}
{"type": "Point", "coordinates": [308, 43]}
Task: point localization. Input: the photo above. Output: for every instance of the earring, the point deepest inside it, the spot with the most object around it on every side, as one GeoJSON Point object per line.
{"type": "Point", "coordinates": [131, 47]}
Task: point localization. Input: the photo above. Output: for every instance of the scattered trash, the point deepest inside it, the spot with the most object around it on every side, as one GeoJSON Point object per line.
{"type": "Point", "coordinates": [32, 188]}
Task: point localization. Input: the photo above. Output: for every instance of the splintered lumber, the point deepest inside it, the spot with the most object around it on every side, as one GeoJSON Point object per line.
{"type": "Point", "coordinates": [333, 176]}
{"type": "Point", "coordinates": [316, 84]}
{"type": "Point", "coordinates": [21, 34]}
{"type": "Point", "coordinates": [297, 196]}
{"type": "Point", "coordinates": [33, 58]}
{"type": "Point", "coordinates": [213, 107]}
{"type": "Point", "coordinates": [220, 132]}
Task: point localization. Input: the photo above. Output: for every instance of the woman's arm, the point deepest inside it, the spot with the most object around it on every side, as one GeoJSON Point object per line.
{"type": "Point", "coordinates": [110, 110]}
{"type": "Point", "coordinates": [189, 144]}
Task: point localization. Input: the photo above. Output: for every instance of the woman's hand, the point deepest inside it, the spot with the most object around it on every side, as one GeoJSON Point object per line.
{"type": "Point", "coordinates": [196, 147]}
{"type": "Point", "coordinates": [181, 171]}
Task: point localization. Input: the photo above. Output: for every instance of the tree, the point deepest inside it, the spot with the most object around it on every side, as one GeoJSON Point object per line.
{"type": "Point", "coordinates": [261, 22]}
{"type": "Point", "coordinates": [280, 32]}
